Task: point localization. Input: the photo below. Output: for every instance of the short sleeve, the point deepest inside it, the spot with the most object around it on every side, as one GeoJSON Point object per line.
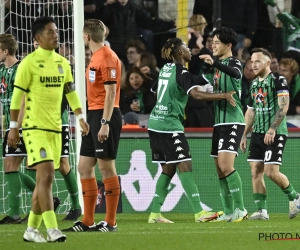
{"type": "Point", "coordinates": [68, 70]}
{"type": "Point", "coordinates": [23, 75]}
{"type": "Point", "coordinates": [109, 69]}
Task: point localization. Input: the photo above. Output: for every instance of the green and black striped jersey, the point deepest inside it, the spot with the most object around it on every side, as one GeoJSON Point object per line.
{"type": "Point", "coordinates": [224, 112]}
{"type": "Point", "coordinates": [7, 78]}
{"type": "Point", "coordinates": [264, 100]}
{"type": "Point", "coordinates": [174, 85]}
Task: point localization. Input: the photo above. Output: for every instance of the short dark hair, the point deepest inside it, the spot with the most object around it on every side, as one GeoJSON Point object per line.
{"type": "Point", "coordinates": [263, 51]}
{"type": "Point", "coordinates": [39, 25]}
{"type": "Point", "coordinates": [226, 36]}
{"type": "Point", "coordinates": [136, 43]}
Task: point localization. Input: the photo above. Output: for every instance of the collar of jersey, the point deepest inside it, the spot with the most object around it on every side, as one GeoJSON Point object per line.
{"type": "Point", "coordinates": [44, 52]}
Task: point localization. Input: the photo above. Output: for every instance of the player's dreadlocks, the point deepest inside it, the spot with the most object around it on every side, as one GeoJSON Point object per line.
{"type": "Point", "coordinates": [170, 48]}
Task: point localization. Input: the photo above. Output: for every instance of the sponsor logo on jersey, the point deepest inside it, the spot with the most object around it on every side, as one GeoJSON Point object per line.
{"type": "Point", "coordinates": [279, 152]}
{"type": "Point", "coordinates": [3, 86]}
{"type": "Point", "coordinates": [195, 195]}
{"type": "Point", "coordinates": [231, 147]}
{"type": "Point", "coordinates": [232, 140]}
{"type": "Point", "coordinates": [179, 149]}
{"type": "Point", "coordinates": [280, 145]}
{"type": "Point", "coordinates": [51, 79]}
{"type": "Point", "coordinates": [177, 141]}
{"type": "Point", "coordinates": [234, 190]}
{"type": "Point", "coordinates": [99, 150]}
{"type": "Point", "coordinates": [233, 133]}
{"type": "Point", "coordinates": [259, 97]}
{"type": "Point", "coordinates": [180, 156]}
{"type": "Point", "coordinates": [175, 135]}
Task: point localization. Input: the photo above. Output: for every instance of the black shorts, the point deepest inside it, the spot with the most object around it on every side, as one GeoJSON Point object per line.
{"type": "Point", "coordinates": [169, 147]}
{"type": "Point", "coordinates": [91, 147]}
{"type": "Point", "coordinates": [226, 138]}
{"type": "Point", "coordinates": [65, 138]}
{"type": "Point", "coordinates": [9, 151]}
{"type": "Point", "coordinates": [269, 154]}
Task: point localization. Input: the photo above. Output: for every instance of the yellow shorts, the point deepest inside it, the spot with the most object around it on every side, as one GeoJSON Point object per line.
{"type": "Point", "coordinates": [42, 146]}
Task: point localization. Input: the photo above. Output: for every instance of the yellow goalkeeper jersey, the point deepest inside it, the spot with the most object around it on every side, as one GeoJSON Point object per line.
{"type": "Point", "coordinates": [42, 75]}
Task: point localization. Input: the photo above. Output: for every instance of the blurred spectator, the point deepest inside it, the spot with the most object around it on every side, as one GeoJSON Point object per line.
{"type": "Point", "coordinates": [199, 113]}
{"type": "Point", "coordinates": [65, 49]}
{"type": "Point", "coordinates": [242, 54]}
{"type": "Point", "coordinates": [134, 48]}
{"type": "Point", "coordinates": [124, 20]}
{"type": "Point", "coordinates": [148, 65]}
{"type": "Point", "coordinates": [204, 8]}
{"type": "Point", "coordinates": [87, 56]}
{"type": "Point", "coordinates": [240, 15]}
{"type": "Point", "coordinates": [195, 110]}
{"type": "Point", "coordinates": [208, 41]}
{"type": "Point", "coordinates": [131, 120]}
{"type": "Point", "coordinates": [248, 77]}
{"type": "Point", "coordinates": [264, 32]}
{"type": "Point", "coordinates": [290, 70]}
{"type": "Point", "coordinates": [274, 66]}
{"type": "Point", "coordinates": [136, 95]}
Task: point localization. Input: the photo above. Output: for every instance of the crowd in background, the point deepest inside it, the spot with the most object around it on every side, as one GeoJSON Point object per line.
{"type": "Point", "coordinates": [137, 30]}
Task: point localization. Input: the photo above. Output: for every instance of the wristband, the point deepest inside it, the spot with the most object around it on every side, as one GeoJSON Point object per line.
{"type": "Point", "coordinates": [13, 124]}
{"type": "Point", "coordinates": [80, 116]}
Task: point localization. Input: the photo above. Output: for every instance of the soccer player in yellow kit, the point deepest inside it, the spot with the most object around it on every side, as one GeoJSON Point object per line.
{"type": "Point", "coordinates": [44, 76]}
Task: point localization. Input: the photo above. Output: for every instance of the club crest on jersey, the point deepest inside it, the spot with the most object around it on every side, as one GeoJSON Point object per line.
{"type": "Point", "coordinates": [92, 76]}
{"type": "Point", "coordinates": [60, 69]}
{"type": "Point", "coordinates": [43, 153]}
{"type": "Point", "coordinates": [260, 97]}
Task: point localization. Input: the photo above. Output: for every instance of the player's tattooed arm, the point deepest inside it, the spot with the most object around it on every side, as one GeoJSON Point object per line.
{"type": "Point", "coordinates": [283, 103]}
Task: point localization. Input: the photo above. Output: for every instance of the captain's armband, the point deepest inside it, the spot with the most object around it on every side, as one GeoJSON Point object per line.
{"type": "Point", "coordinates": [69, 87]}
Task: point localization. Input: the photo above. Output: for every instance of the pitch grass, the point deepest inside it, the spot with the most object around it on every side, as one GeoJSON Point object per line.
{"type": "Point", "coordinates": [135, 233]}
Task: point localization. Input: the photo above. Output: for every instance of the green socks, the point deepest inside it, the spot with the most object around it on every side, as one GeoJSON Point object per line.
{"type": "Point", "coordinates": [14, 190]}
{"type": "Point", "coordinates": [161, 192]}
{"type": "Point", "coordinates": [226, 197]}
{"type": "Point", "coordinates": [28, 182]}
{"type": "Point", "coordinates": [260, 201]}
{"type": "Point", "coordinates": [71, 184]}
{"type": "Point", "coordinates": [290, 192]}
{"type": "Point", "coordinates": [191, 190]}
{"type": "Point", "coordinates": [235, 188]}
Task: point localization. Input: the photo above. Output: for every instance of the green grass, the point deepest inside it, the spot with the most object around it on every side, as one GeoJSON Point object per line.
{"type": "Point", "coordinates": [135, 233]}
